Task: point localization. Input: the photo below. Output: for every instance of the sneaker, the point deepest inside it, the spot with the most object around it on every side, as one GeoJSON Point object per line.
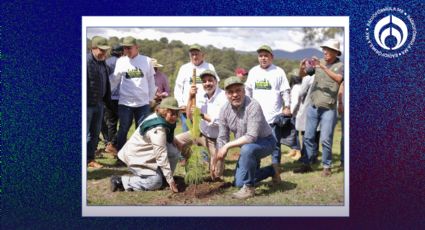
{"type": "Point", "coordinates": [94, 164]}
{"type": "Point", "coordinates": [116, 183]}
{"type": "Point", "coordinates": [326, 172]}
{"type": "Point", "coordinates": [276, 177]}
{"type": "Point", "coordinates": [297, 155]}
{"type": "Point", "coordinates": [244, 193]}
{"type": "Point", "coordinates": [303, 169]}
{"type": "Point", "coordinates": [110, 148]}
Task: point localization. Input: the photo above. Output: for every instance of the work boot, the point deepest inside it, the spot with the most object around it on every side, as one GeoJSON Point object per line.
{"type": "Point", "coordinates": [297, 155]}
{"type": "Point", "coordinates": [326, 172]}
{"type": "Point", "coordinates": [110, 148]}
{"type": "Point", "coordinates": [116, 183]}
{"type": "Point", "coordinates": [303, 169]}
{"type": "Point", "coordinates": [276, 177]}
{"type": "Point", "coordinates": [93, 164]}
{"type": "Point", "coordinates": [244, 193]}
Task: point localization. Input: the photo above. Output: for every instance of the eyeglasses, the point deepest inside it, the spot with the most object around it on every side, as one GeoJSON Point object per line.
{"type": "Point", "coordinates": [174, 112]}
{"type": "Point", "coordinates": [128, 47]}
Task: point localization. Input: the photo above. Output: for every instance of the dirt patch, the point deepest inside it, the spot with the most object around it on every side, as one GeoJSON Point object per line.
{"type": "Point", "coordinates": [188, 193]}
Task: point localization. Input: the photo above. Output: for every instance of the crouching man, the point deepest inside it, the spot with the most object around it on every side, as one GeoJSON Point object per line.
{"type": "Point", "coordinates": [152, 152]}
{"type": "Point", "coordinates": [244, 117]}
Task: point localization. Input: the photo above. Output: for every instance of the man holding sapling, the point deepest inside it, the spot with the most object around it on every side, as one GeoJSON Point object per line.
{"type": "Point", "coordinates": [210, 104]}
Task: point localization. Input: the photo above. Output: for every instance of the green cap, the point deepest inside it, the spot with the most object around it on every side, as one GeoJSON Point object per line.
{"type": "Point", "coordinates": [195, 47]}
{"type": "Point", "coordinates": [99, 42]}
{"type": "Point", "coordinates": [129, 41]}
{"type": "Point", "coordinates": [232, 81]}
{"type": "Point", "coordinates": [209, 72]}
{"type": "Point", "coordinates": [265, 48]}
{"type": "Point", "coordinates": [169, 103]}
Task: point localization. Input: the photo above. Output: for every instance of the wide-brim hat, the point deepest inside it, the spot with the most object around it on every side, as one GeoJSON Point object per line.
{"type": "Point", "coordinates": [100, 42]}
{"type": "Point", "coordinates": [155, 63]}
{"type": "Point", "coordinates": [333, 45]}
{"type": "Point", "coordinates": [232, 81]}
{"type": "Point", "coordinates": [169, 103]}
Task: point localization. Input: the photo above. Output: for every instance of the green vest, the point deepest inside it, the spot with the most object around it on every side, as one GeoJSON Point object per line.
{"type": "Point", "coordinates": [325, 89]}
{"type": "Point", "coordinates": [155, 122]}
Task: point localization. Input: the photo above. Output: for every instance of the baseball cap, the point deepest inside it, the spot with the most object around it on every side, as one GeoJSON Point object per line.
{"type": "Point", "coordinates": [208, 72]}
{"type": "Point", "coordinates": [129, 41]}
{"type": "Point", "coordinates": [100, 42]}
{"type": "Point", "coordinates": [169, 103]}
{"type": "Point", "coordinates": [195, 47]}
{"type": "Point", "coordinates": [232, 81]}
{"type": "Point", "coordinates": [265, 48]}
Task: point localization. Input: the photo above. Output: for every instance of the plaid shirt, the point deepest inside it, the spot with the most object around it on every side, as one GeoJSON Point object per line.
{"type": "Point", "coordinates": [247, 121]}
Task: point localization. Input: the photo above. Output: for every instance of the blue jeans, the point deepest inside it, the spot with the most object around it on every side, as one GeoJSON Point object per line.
{"type": "Point", "coordinates": [94, 123]}
{"type": "Point", "coordinates": [126, 115]}
{"type": "Point", "coordinates": [342, 138]}
{"type": "Point", "coordinates": [248, 169]}
{"type": "Point", "coordinates": [297, 144]}
{"type": "Point", "coordinates": [316, 150]}
{"type": "Point", "coordinates": [276, 153]}
{"type": "Point", "coordinates": [327, 119]}
{"type": "Point", "coordinates": [183, 120]}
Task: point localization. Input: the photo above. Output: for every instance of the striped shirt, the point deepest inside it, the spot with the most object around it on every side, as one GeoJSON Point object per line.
{"type": "Point", "coordinates": [248, 121]}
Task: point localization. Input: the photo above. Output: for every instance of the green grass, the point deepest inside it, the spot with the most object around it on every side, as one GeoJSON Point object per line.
{"type": "Point", "coordinates": [296, 189]}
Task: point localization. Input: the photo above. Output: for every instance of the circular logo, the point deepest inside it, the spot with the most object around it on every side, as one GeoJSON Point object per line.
{"type": "Point", "coordinates": [390, 32]}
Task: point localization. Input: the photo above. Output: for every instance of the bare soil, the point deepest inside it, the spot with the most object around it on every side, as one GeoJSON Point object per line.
{"type": "Point", "coordinates": [187, 193]}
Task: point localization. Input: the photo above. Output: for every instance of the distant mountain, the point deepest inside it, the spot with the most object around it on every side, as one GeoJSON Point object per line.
{"type": "Point", "coordinates": [296, 55]}
{"type": "Point", "coordinates": [299, 54]}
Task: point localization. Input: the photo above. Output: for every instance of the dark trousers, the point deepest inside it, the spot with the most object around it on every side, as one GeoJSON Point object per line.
{"type": "Point", "coordinates": [94, 122]}
{"type": "Point", "coordinates": [110, 123]}
{"type": "Point", "coordinates": [126, 115]}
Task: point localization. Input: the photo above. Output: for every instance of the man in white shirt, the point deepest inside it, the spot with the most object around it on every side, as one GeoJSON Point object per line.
{"type": "Point", "coordinates": [210, 104]}
{"type": "Point", "coordinates": [137, 87]}
{"type": "Point", "coordinates": [184, 79]}
{"type": "Point", "coordinates": [268, 85]}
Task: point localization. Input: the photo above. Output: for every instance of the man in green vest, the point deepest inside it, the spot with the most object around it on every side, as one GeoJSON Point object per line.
{"type": "Point", "coordinates": [329, 73]}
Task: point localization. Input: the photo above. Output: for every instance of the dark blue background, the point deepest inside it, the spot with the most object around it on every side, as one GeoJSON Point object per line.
{"type": "Point", "coordinates": [41, 116]}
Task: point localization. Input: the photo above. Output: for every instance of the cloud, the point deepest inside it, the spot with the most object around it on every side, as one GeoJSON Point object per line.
{"type": "Point", "coordinates": [243, 39]}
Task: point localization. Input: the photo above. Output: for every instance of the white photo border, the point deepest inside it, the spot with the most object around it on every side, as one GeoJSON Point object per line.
{"type": "Point", "coordinates": [217, 211]}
